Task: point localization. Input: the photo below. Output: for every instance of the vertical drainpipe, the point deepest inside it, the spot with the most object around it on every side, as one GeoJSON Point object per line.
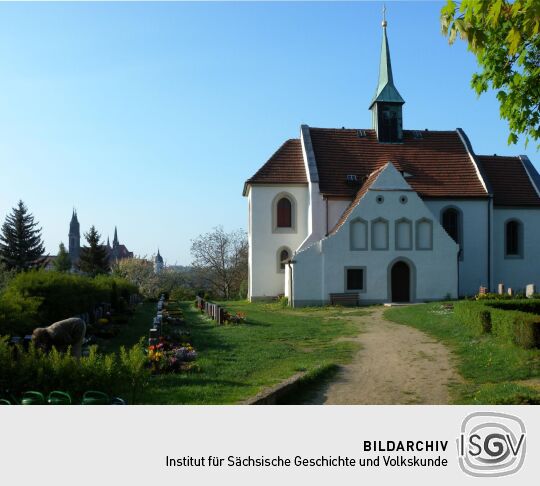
{"type": "Point", "coordinates": [490, 209]}
{"type": "Point", "coordinates": [326, 200]}
{"type": "Point", "coordinates": [290, 262]}
{"type": "Point", "coordinates": [458, 256]}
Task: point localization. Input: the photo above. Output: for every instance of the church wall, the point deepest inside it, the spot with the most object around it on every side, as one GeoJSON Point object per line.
{"type": "Point", "coordinates": [265, 279]}
{"type": "Point", "coordinates": [320, 269]}
{"type": "Point", "coordinates": [473, 266]}
{"type": "Point", "coordinates": [517, 272]}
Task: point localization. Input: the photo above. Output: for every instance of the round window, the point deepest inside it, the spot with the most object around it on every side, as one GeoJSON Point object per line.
{"type": "Point", "coordinates": [379, 199]}
{"type": "Point", "coordinates": [403, 199]}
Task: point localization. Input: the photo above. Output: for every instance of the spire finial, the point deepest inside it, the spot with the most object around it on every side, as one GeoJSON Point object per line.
{"type": "Point", "coordinates": [384, 22]}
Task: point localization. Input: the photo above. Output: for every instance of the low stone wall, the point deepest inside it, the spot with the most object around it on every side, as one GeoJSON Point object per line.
{"type": "Point", "coordinates": [270, 396]}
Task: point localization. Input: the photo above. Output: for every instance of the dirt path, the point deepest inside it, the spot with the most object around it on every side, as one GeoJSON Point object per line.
{"type": "Point", "coordinates": [396, 365]}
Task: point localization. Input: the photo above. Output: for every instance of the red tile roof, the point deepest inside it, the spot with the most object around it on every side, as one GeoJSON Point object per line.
{"type": "Point", "coordinates": [286, 166]}
{"type": "Point", "coordinates": [359, 195]}
{"type": "Point", "coordinates": [509, 180]}
{"type": "Point", "coordinates": [437, 161]}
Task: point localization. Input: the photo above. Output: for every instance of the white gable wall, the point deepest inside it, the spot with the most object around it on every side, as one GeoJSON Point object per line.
{"type": "Point", "coordinates": [265, 281]}
{"type": "Point", "coordinates": [320, 269]}
{"type": "Point", "coordinates": [336, 207]}
{"type": "Point", "coordinates": [473, 266]}
{"type": "Point", "coordinates": [517, 272]}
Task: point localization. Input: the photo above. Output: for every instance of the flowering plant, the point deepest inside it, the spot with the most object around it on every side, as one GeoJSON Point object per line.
{"type": "Point", "coordinates": [238, 318]}
{"type": "Point", "coordinates": [166, 357]}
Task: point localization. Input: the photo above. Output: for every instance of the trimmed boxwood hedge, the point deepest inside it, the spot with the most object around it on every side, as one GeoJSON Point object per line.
{"type": "Point", "coordinates": [507, 324]}
{"type": "Point", "coordinates": [531, 306]}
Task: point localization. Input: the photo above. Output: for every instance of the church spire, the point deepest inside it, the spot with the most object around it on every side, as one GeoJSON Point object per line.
{"type": "Point", "coordinates": [386, 105]}
{"type": "Point", "coordinates": [115, 239]}
{"type": "Point", "coordinates": [386, 90]}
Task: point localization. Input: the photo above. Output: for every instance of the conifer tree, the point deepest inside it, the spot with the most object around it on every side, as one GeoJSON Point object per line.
{"type": "Point", "coordinates": [21, 246]}
{"type": "Point", "coordinates": [94, 258]}
{"type": "Point", "coordinates": [62, 262]}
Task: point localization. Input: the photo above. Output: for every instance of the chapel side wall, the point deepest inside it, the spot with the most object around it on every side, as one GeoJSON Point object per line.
{"type": "Point", "coordinates": [473, 266]}
{"type": "Point", "coordinates": [265, 279]}
{"type": "Point", "coordinates": [517, 272]}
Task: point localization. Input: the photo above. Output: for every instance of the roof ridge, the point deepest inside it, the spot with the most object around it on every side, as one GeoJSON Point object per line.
{"type": "Point", "coordinates": [423, 130]}
{"type": "Point", "coordinates": [495, 156]}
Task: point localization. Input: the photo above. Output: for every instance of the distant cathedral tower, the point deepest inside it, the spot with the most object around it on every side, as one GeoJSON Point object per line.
{"type": "Point", "coordinates": [74, 239]}
{"type": "Point", "coordinates": [158, 263]}
{"type": "Point", "coordinates": [387, 104]}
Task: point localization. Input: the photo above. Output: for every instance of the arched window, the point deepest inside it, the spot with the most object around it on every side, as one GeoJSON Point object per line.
{"type": "Point", "coordinates": [451, 223]}
{"type": "Point", "coordinates": [513, 238]}
{"type": "Point", "coordinates": [284, 255]}
{"type": "Point", "coordinates": [284, 213]}
{"type": "Point", "coordinates": [284, 217]}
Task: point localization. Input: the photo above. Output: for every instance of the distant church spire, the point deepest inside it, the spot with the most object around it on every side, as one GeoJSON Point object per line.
{"type": "Point", "coordinates": [74, 238]}
{"type": "Point", "coordinates": [115, 239]}
{"type": "Point", "coordinates": [158, 263]}
{"type": "Point", "coordinates": [386, 105]}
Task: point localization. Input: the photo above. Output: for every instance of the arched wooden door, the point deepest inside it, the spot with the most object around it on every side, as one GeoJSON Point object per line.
{"type": "Point", "coordinates": [401, 282]}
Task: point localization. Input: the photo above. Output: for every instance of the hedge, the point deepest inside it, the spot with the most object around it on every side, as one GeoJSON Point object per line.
{"type": "Point", "coordinates": [511, 326]}
{"type": "Point", "coordinates": [531, 306]}
{"type": "Point", "coordinates": [39, 298]}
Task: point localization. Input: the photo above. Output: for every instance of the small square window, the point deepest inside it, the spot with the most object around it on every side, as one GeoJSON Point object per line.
{"type": "Point", "coordinates": [355, 279]}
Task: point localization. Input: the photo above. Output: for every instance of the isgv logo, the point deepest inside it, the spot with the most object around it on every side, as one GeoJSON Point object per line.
{"type": "Point", "coordinates": [491, 444]}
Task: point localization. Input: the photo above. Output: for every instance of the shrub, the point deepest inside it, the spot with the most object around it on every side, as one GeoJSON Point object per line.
{"type": "Point", "coordinates": [182, 294]}
{"type": "Point", "coordinates": [485, 319]}
{"type": "Point", "coordinates": [526, 332]}
{"type": "Point", "coordinates": [283, 301]}
{"type": "Point", "coordinates": [531, 306]}
{"type": "Point", "coordinates": [41, 298]}
{"type": "Point", "coordinates": [125, 375]}
{"type": "Point", "coordinates": [510, 326]}
{"type": "Point", "coordinates": [468, 313]}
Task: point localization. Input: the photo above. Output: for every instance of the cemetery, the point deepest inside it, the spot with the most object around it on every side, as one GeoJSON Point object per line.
{"type": "Point", "coordinates": [80, 340]}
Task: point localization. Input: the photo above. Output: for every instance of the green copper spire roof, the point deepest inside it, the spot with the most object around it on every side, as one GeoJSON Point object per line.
{"type": "Point", "coordinates": [386, 91]}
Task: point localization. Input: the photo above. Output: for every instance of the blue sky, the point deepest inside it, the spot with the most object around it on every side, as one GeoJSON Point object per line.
{"type": "Point", "coordinates": [150, 116]}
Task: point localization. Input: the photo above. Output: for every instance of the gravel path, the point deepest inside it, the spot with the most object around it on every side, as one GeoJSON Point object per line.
{"type": "Point", "coordinates": [396, 365]}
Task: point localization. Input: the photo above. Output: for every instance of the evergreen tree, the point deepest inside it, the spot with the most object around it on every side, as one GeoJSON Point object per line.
{"type": "Point", "coordinates": [20, 239]}
{"type": "Point", "coordinates": [62, 262]}
{"type": "Point", "coordinates": [94, 258]}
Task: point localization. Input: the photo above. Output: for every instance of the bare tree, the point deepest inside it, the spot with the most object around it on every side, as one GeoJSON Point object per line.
{"type": "Point", "coordinates": [221, 260]}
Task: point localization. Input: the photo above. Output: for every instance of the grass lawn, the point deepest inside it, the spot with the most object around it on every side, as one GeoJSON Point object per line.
{"type": "Point", "coordinates": [235, 362]}
{"type": "Point", "coordinates": [495, 372]}
{"type": "Point", "coordinates": [131, 333]}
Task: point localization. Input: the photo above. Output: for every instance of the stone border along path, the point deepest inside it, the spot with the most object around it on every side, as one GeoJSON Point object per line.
{"type": "Point", "coordinates": [396, 365]}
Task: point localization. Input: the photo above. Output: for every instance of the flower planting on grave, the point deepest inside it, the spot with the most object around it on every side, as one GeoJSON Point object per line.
{"type": "Point", "coordinates": [169, 345]}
